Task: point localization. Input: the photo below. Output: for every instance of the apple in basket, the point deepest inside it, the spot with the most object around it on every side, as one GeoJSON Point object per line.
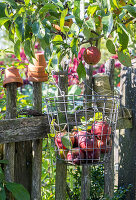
{"type": "Point", "coordinates": [87, 141]}
{"type": "Point", "coordinates": [75, 155]}
{"type": "Point", "coordinates": [101, 129]}
{"type": "Point", "coordinates": [92, 156]}
{"type": "Point", "coordinates": [64, 139]}
{"type": "Point", "coordinates": [104, 148]}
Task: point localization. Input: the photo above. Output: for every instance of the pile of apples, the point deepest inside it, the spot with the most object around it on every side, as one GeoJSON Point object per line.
{"type": "Point", "coordinates": [86, 146]}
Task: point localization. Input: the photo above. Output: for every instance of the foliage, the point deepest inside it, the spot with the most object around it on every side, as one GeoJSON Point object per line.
{"type": "Point", "coordinates": [28, 22]}
{"type": "Point", "coordinates": [47, 22]}
{"type": "Point", "coordinates": [48, 170]}
{"type": "Point", "coordinates": [18, 191]}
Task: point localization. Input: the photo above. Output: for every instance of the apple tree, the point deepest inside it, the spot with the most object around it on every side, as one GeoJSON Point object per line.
{"type": "Point", "coordinates": [62, 27]}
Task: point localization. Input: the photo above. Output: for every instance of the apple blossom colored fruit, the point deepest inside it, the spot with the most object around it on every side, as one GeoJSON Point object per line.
{"type": "Point", "coordinates": [92, 55]}
{"type": "Point", "coordinates": [92, 156]}
{"type": "Point", "coordinates": [101, 129]}
{"type": "Point", "coordinates": [75, 155]}
{"type": "Point", "coordinates": [87, 141]}
{"type": "Point", "coordinates": [58, 139]}
{"type": "Point", "coordinates": [75, 133]}
{"type": "Point", "coordinates": [104, 148]}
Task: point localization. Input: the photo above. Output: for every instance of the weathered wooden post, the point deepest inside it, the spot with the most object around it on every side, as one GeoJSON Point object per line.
{"type": "Point", "coordinates": [9, 149]}
{"type": "Point", "coordinates": [109, 164]}
{"type": "Point", "coordinates": [127, 137]}
{"type": "Point", "coordinates": [37, 146]}
{"type": "Point", "coordinates": [85, 176]}
{"type": "Point", "coordinates": [61, 167]}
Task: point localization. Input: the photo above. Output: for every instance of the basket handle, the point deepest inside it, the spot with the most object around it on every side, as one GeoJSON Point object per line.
{"type": "Point", "coordinates": [62, 93]}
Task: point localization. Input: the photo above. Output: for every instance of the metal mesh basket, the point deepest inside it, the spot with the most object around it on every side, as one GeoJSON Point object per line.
{"type": "Point", "coordinates": [82, 126]}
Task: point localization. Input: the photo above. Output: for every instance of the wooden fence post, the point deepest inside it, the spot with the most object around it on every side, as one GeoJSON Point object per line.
{"type": "Point", "coordinates": [127, 137]}
{"type": "Point", "coordinates": [9, 149]}
{"type": "Point", "coordinates": [85, 176]}
{"type": "Point", "coordinates": [37, 147]}
{"type": "Point", "coordinates": [109, 163]}
{"type": "Point", "coordinates": [61, 167]}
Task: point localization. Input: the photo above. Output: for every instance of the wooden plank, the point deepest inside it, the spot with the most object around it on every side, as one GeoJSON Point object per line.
{"type": "Point", "coordinates": [127, 137]}
{"type": "Point", "coordinates": [109, 161]}
{"type": "Point", "coordinates": [61, 167]}
{"type": "Point", "coordinates": [9, 148]}
{"type": "Point", "coordinates": [23, 129]}
{"type": "Point", "coordinates": [37, 147]}
{"type": "Point", "coordinates": [85, 176]}
{"type": "Point", "coordinates": [23, 163]}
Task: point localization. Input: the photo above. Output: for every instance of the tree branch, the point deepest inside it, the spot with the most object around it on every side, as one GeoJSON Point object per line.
{"type": "Point", "coordinates": [100, 36]}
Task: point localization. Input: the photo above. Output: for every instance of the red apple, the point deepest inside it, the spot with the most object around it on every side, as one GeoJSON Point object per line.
{"type": "Point", "coordinates": [75, 155]}
{"type": "Point", "coordinates": [87, 141]}
{"type": "Point", "coordinates": [101, 129]}
{"type": "Point", "coordinates": [104, 148]}
{"type": "Point", "coordinates": [92, 156]}
{"type": "Point", "coordinates": [92, 55]}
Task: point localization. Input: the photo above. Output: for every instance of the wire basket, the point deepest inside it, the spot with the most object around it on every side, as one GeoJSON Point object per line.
{"type": "Point", "coordinates": [82, 126]}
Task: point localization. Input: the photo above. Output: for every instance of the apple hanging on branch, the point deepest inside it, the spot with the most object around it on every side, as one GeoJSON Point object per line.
{"type": "Point", "coordinates": [92, 55]}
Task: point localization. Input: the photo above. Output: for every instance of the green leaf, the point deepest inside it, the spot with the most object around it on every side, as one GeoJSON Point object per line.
{"type": "Point", "coordinates": [18, 191]}
{"type": "Point", "coordinates": [2, 192]}
{"type": "Point", "coordinates": [2, 177]}
{"type": "Point", "coordinates": [124, 58]}
{"type": "Point", "coordinates": [107, 22]}
{"type": "Point", "coordinates": [74, 46]}
{"type": "Point", "coordinates": [36, 28]}
{"type": "Point", "coordinates": [3, 20]}
{"type": "Point", "coordinates": [17, 49]}
{"type": "Point", "coordinates": [58, 38]}
{"type": "Point", "coordinates": [116, 3]}
{"type": "Point", "coordinates": [74, 89]}
{"type": "Point", "coordinates": [47, 37]}
{"type": "Point", "coordinates": [81, 71]}
{"type": "Point", "coordinates": [27, 2]}
{"type": "Point", "coordinates": [97, 117]}
{"type": "Point", "coordinates": [2, 10]}
{"type": "Point", "coordinates": [47, 7]}
{"type": "Point", "coordinates": [74, 29]}
{"type": "Point", "coordinates": [27, 49]}
{"type": "Point", "coordinates": [4, 162]}
{"type": "Point", "coordinates": [110, 46]}
{"type": "Point", "coordinates": [131, 10]}
{"type": "Point", "coordinates": [46, 24]}
{"type": "Point", "coordinates": [87, 27]}
{"type": "Point", "coordinates": [11, 35]}
{"type": "Point", "coordinates": [123, 38]}
{"type": "Point", "coordinates": [22, 10]}
{"type": "Point", "coordinates": [11, 2]}
{"type": "Point", "coordinates": [92, 9]}
{"type": "Point", "coordinates": [19, 28]}
{"type": "Point", "coordinates": [76, 12]}
{"type": "Point", "coordinates": [28, 29]}
{"type": "Point", "coordinates": [52, 129]}
{"type": "Point", "coordinates": [62, 18]}
{"type": "Point", "coordinates": [66, 141]}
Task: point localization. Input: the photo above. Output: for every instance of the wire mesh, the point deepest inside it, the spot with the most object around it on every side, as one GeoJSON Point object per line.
{"type": "Point", "coordinates": [82, 126]}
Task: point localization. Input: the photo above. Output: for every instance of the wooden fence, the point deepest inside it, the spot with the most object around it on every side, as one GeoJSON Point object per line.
{"type": "Point", "coordinates": [22, 139]}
